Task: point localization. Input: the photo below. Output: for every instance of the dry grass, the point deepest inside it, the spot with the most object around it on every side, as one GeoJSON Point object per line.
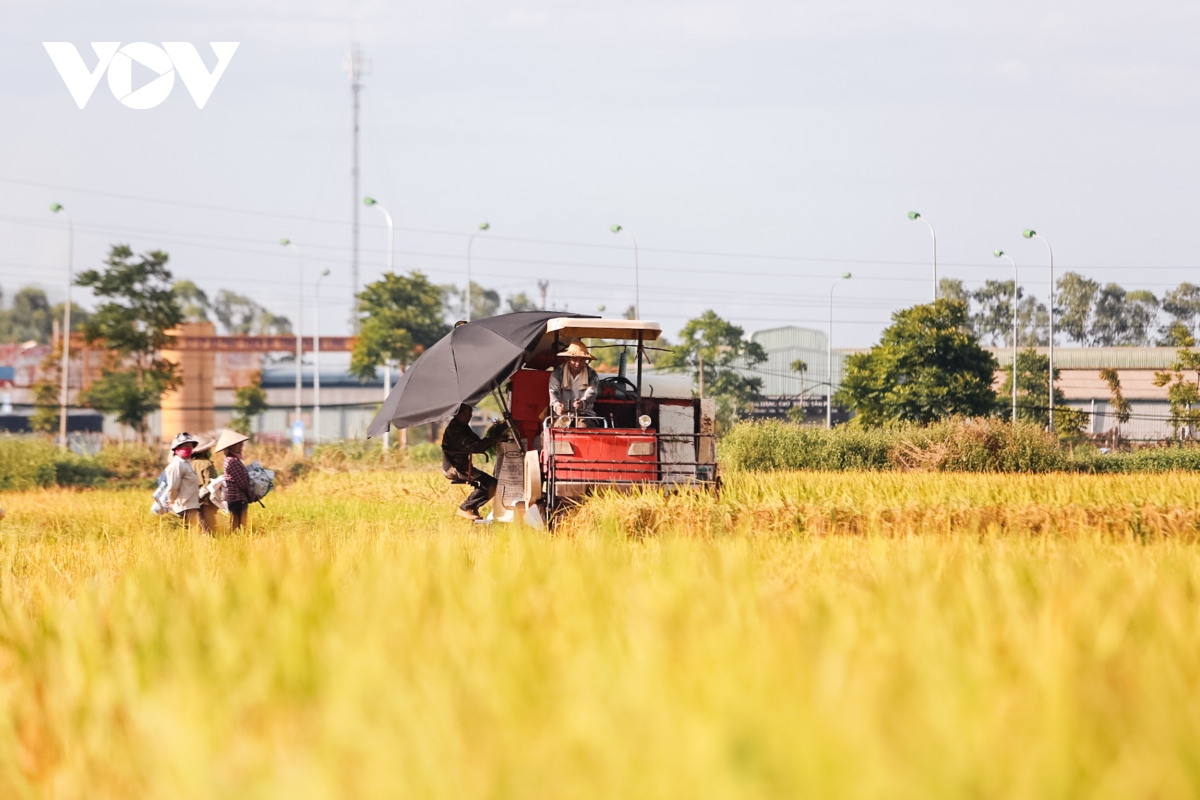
{"type": "Point", "coordinates": [361, 642]}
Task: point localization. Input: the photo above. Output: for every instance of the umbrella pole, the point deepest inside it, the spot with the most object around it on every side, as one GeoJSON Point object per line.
{"type": "Point", "coordinates": [507, 417]}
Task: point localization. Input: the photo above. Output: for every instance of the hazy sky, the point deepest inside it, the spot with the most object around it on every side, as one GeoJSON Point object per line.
{"type": "Point", "coordinates": [756, 149]}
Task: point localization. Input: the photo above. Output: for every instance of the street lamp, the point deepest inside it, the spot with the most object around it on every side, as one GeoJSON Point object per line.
{"type": "Point", "coordinates": [299, 329]}
{"type": "Point", "coordinates": [317, 357]}
{"type": "Point", "coordinates": [371, 201]}
{"type": "Point", "coordinates": [387, 367]}
{"type": "Point", "coordinates": [483, 226]}
{"type": "Point", "coordinates": [829, 355]}
{"type": "Point", "coordinates": [1032, 234]}
{"type": "Point", "coordinates": [637, 292]}
{"type": "Point", "coordinates": [66, 332]}
{"type": "Point", "coordinates": [914, 215]}
{"type": "Point", "coordinates": [1002, 254]}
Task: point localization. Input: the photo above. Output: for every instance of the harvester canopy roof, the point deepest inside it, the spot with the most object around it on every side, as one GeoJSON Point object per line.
{"type": "Point", "coordinates": [569, 328]}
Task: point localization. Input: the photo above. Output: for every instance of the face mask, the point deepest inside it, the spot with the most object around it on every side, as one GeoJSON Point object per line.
{"type": "Point", "coordinates": [183, 452]}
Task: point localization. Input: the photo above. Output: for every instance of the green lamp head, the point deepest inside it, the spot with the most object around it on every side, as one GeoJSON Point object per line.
{"type": "Point", "coordinates": [285, 242]}
{"type": "Point", "coordinates": [56, 207]}
{"type": "Point", "coordinates": [998, 254]}
{"type": "Point", "coordinates": [483, 226]}
{"type": "Point", "coordinates": [914, 215]}
{"type": "Point", "coordinates": [1029, 233]}
{"type": "Point", "coordinates": [369, 201]}
{"type": "Point", "coordinates": [615, 228]}
{"type": "Point", "coordinates": [845, 275]}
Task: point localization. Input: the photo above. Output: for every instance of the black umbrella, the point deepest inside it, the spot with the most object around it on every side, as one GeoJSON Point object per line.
{"type": "Point", "coordinates": [463, 367]}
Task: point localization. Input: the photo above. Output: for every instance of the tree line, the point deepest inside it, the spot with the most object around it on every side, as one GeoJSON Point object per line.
{"type": "Point", "coordinates": [138, 301]}
{"type": "Point", "coordinates": [1086, 313]}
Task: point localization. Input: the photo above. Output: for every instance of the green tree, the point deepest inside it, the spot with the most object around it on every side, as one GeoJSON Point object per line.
{"type": "Point", "coordinates": [1076, 299]}
{"type": "Point", "coordinates": [716, 353]}
{"type": "Point", "coordinates": [1183, 305]}
{"type": "Point", "coordinates": [1176, 335]}
{"type": "Point", "coordinates": [925, 368]}
{"type": "Point", "coordinates": [1033, 322]}
{"type": "Point", "coordinates": [138, 310]}
{"type": "Point", "coordinates": [30, 318]}
{"type": "Point", "coordinates": [800, 367]}
{"type": "Point", "coordinates": [521, 302]}
{"type": "Point", "coordinates": [248, 402]}
{"type": "Point", "coordinates": [484, 302]}
{"type": "Point", "coordinates": [193, 301]}
{"type": "Point", "coordinates": [1182, 394]}
{"type": "Point", "coordinates": [993, 320]}
{"type": "Point", "coordinates": [953, 289]}
{"type": "Point", "coordinates": [1122, 408]}
{"type": "Point", "coordinates": [239, 315]}
{"type": "Point", "coordinates": [46, 394]}
{"type": "Point", "coordinates": [401, 316]}
{"type": "Point", "coordinates": [1033, 395]}
{"type": "Point", "coordinates": [1121, 318]}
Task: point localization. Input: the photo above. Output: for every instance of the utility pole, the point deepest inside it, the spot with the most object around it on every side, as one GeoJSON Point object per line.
{"type": "Point", "coordinates": [542, 287]}
{"type": "Point", "coordinates": [354, 69]}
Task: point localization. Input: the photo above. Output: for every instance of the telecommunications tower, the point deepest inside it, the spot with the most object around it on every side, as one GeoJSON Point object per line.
{"type": "Point", "coordinates": [355, 65]}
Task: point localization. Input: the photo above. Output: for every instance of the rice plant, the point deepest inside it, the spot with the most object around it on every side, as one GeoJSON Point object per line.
{"type": "Point", "coordinates": [865, 634]}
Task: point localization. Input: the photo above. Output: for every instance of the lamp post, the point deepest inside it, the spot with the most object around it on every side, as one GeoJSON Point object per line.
{"type": "Point", "coordinates": [914, 215]}
{"type": "Point", "coordinates": [387, 367]}
{"type": "Point", "coordinates": [1032, 234]}
{"type": "Point", "coordinates": [483, 226]}
{"type": "Point", "coordinates": [299, 327]}
{"type": "Point", "coordinates": [637, 292]}
{"type": "Point", "coordinates": [317, 357]}
{"type": "Point", "coordinates": [66, 331]}
{"type": "Point", "coordinates": [1002, 254]}
{"type": "Point", "coordinates": [829, 355]}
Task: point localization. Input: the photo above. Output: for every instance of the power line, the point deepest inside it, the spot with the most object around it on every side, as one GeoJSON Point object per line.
{"type": "Point", "coordinates": [565, 243]}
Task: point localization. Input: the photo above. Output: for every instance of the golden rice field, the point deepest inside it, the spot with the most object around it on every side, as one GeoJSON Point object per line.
{"type": "Point", "coordinates": [878, 635]}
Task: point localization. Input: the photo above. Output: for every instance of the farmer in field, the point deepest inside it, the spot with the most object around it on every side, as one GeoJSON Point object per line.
{"type": "Point", "coordinates": [237, 482]}
{"type": "Point", "coordinates": [459, 444]}
{"type": "Point", "coordinates": [206, 471]}
{"type": "Point", "coordinates": [573, 387]}
{"type": "Point", "coordinates": [183, 485]}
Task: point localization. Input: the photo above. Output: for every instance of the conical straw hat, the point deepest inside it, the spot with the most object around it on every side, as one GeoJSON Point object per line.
{"type": "Point", "coordinates": [577, 349]}
{"type": "Point", "coordinates": [229, 439]}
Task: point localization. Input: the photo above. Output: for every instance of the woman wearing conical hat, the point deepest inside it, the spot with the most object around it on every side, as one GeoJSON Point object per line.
{"type": "Point", "coordinates": [237, 482]}
{"type": "Point", "coordinates": [573, 386]}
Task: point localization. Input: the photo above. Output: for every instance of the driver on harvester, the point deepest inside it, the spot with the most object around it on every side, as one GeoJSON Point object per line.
{"type": "Point", "coordinates": [573, 387]}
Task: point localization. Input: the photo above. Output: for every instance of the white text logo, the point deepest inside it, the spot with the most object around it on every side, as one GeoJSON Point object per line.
{"type": "Point", "coordinates": [164, 61]}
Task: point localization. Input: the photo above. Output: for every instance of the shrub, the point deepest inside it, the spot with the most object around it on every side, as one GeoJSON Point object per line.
{"type": "Point", "coordinates": [959, 444]}
{"type": "Point", "coordinates": [26, 463]}
{"type": "Point", "coordinates": [76, 470]}
{"type": "Point", "coordinates": [775, 445]}
{"type": "Point", "coordinates": [131, 464]}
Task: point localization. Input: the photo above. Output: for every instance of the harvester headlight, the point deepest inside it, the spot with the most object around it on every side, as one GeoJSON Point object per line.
{"type": "Point", "coordinates": [644, 421]}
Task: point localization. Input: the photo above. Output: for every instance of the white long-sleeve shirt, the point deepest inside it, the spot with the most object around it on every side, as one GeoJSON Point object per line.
{"type": "Point", "coordinates": [183, 485]}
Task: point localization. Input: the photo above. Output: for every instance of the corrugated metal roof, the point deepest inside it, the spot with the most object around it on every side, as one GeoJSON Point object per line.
{"type": "Point", "coordinates": [1099, 357]}
{"type": "Point", "coordinates": [790, 336]}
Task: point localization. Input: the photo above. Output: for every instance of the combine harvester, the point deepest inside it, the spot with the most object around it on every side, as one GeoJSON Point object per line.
{"type": "Point", "coordinates": [646, 430]}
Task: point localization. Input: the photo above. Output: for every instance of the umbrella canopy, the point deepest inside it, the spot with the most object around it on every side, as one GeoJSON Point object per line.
{"type": "Point", "coordinates": [463, 367]}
